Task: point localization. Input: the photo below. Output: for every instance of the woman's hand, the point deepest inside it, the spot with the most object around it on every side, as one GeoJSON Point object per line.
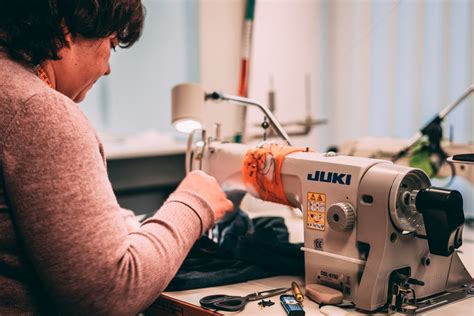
{"type": "Point", "coordinates": [207, 187]}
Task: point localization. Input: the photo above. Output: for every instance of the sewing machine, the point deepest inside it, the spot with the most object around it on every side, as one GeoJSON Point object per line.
{"type": "Point", "coordinates": [375, 232]}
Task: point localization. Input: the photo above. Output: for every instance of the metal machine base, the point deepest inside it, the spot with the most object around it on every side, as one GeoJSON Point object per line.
{"type": "Point", "coordinates": [456, 294]}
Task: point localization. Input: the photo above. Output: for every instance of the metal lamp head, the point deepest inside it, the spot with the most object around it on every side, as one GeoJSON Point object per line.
{"type": "Point", "coordinates": [187, 107]}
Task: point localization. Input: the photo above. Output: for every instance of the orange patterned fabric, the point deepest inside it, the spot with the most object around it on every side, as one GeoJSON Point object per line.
{"type": "Point", "coordinates": [261, 170]}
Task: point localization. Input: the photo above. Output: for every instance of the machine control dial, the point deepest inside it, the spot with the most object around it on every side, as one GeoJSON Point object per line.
{"type": "Point", "coordinates": [341, 216]}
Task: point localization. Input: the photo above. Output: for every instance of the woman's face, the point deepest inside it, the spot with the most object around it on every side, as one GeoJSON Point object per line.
{"type": "Point", "coordinates": [82, 64]}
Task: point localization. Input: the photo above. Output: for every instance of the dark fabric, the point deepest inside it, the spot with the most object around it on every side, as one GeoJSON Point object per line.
{"type": "Point", "coordinates": [242, 250]}
{"type": "Point", "coordinates": [269, 247]}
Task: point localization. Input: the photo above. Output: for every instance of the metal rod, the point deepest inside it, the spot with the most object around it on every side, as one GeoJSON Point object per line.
{"type": "Point", "coordinates": [246, 102]}
{"type": "Point", "coordinates": [451, 107]}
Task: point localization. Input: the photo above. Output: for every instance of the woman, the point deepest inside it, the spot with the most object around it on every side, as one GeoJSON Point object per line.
{"type": "Point", "coordinates": [65, 244]}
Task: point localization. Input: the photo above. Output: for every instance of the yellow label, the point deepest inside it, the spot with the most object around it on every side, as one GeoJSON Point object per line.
{"type": "Point", "coordinates": [316, 211]}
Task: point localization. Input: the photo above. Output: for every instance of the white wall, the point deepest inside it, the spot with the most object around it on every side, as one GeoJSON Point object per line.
{"type": "Point", "coordinates": [378, 68]}
{"type": "Point", "coordinates": [220, 32]}
{"type": "Point", "coordinates": [285, 50]}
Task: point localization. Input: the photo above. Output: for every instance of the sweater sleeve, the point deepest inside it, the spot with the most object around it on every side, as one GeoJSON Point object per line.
{"type": "Point", "coordinates": [71, 225]}
{"type": "Point", "coordinates": [131, 222]}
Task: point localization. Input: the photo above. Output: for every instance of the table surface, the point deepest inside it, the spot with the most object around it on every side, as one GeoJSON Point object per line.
{"type": "Point", "coordinates": [293, 220]}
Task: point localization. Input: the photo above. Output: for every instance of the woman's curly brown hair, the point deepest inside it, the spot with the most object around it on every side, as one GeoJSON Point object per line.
{"type": "Point", "coordinates": [32, 31]}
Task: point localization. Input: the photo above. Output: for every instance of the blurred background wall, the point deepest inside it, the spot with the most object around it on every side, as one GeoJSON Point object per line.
{"type": "Point", "coordinates": [379, 68]}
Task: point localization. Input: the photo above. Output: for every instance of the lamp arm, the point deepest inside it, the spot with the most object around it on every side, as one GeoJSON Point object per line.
{"type": "Point", "coordinates": [436, 120]}
{"type": "Point", "coordinates": [246, 102]}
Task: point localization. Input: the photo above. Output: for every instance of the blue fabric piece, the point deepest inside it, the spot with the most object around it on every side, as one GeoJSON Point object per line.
{"type": "Point", "coordinates": [244, 250]}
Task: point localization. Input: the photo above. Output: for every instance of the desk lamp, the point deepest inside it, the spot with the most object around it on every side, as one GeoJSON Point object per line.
{"type": "Point", "coordinates": [188, 108]}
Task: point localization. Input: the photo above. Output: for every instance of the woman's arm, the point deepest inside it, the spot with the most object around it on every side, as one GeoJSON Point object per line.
{"type": "Point", "coordinates": [70, 223]}
{"type": "Point", "coordinates": [130, 221]}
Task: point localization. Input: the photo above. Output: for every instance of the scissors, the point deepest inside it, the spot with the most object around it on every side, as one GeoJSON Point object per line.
{"type": "Point", "coordinates": [231, 303]}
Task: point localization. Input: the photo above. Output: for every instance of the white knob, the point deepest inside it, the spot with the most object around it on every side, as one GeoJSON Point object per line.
{"type": "Point", "coordinates": [341, 216]}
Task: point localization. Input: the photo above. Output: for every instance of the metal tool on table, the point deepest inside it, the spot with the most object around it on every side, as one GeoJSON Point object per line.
{"type": "Point", "coordinates": [297, 292]}
{"type": "Point", "coordinates": [376, 233]}
{"type": "Point", "coordinates": [266, 303]}
{"type": "Point", "coordinates": [232, 303]}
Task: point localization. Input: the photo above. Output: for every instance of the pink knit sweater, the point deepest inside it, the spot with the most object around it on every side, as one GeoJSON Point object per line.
{"type": "Point", "coordinates": [66, 246]}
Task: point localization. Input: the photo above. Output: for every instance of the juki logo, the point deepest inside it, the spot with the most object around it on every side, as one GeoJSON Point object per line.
{"type": "Point", "coordinates": [330, 177]}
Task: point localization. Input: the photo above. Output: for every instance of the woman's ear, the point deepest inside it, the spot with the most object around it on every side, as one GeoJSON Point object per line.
{"type": "Point", "coordinates": [67, 35]}
{"type": "Point", "coordinates": [68, 42]}
{"type": "Point", "coordinates": [69, 39]}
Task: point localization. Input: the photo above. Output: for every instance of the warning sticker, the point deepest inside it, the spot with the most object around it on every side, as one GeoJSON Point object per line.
{"type": "Point", "coordinates": [316, 211]}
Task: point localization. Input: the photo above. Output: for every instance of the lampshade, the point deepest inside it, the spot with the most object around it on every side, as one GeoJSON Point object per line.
{"type": "Point", "coordinates": [188, 109]}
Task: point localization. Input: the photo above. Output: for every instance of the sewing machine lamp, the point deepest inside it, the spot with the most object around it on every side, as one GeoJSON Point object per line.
{"type": "Point", "coordinates": [188, 107]}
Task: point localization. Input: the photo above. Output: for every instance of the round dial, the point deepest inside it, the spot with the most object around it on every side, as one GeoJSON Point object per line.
{"type": "Point", "coordinates": [341, 216]}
